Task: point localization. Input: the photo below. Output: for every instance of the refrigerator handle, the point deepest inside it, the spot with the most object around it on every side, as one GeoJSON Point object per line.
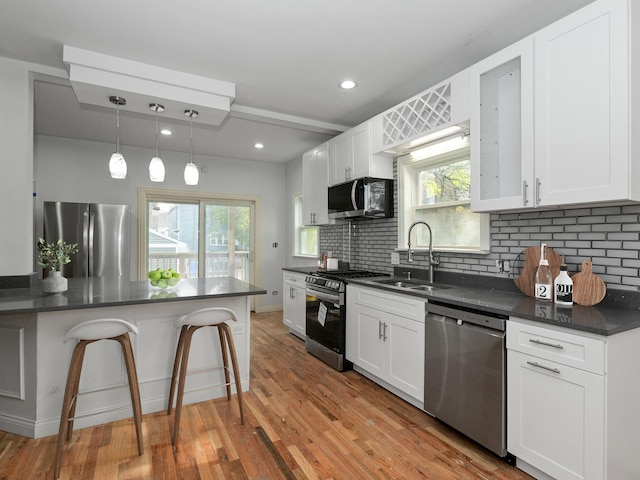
{"type": "Point", "coordinates": [89, 242]}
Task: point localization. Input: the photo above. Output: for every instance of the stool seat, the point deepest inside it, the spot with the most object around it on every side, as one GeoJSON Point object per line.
{"type": "Point", "coordinates": [86, 333]}
{"type": "Point", "coordinates": [188, 324]}
{"type": "Point", "coordinates": [207, 317]}
{"type": "Point", "coordinates": [101, 329]}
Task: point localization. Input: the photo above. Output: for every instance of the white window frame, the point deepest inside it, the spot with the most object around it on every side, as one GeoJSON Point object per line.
{"type": "Point", "coordinates": [146, 195]}
{"type": "Point", "coordinates": [299, 227]}
{"type": "Point", "coordinates": [408, 168]}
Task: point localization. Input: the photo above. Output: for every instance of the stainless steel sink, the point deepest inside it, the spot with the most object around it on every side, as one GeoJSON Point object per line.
{"type": "Point", "coordinates": [428, 288]}
{"type": "Point", "coordinates": [412, 285]}
{"type": "Point", "coordinates": [396, 283]}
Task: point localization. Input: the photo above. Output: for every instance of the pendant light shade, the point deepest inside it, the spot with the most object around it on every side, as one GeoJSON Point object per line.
{"type": "Point", "coordinates": [117, 163]}
{"type": "Point", "coordinates": [191, 173]}
{"type": "Point", "coordinates": [156, 166]}
{"type": "Point", "coordinates": [118, 166]}
{"type": "Point", "coordinates": [156, 170]}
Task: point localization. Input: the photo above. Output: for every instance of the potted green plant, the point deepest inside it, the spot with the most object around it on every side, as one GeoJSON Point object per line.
{"type": "Point", "coordinates": [51, 257]}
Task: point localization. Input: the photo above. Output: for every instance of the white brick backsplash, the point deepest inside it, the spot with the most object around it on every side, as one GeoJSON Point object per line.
{"type": "Point", "coordinates": [608, 236]}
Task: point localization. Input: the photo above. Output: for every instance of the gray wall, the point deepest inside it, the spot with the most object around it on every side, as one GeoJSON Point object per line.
{"type": "Point", "coordinates": [76, 171]}
{"type": "Point", "coordinates": [608, 236]}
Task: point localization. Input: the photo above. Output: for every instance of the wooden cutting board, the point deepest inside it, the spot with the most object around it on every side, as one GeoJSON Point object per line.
{"type": "Point", "coordinates": [588, 288]}
{"type": "Point", "coordinates": [526, 282]}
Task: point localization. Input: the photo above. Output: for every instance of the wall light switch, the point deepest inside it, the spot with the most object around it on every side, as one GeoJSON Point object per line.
{"type": "Point", "coordinates": [395, 258]}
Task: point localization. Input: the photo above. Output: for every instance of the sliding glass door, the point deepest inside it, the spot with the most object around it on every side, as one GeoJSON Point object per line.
{"type": "Point", "coordinates": [211, 236]}
{"type": "Point", "coordinates": [227, 240]}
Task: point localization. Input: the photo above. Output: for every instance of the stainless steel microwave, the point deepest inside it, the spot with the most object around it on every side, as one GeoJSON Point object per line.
{"type": "Point", "coordinates": [366, 197]}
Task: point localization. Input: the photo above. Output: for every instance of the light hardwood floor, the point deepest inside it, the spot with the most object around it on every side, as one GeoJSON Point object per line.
{"type": "Point", "coordinates": [303, 421]}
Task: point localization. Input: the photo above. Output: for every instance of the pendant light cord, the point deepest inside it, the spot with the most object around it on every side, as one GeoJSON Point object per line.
{"type": "Point", "coordinates": [156, 132]}
{"type": "Point", "coordinates": [117, 126]}
{"type": "Point", "coordinates": [191, 139]}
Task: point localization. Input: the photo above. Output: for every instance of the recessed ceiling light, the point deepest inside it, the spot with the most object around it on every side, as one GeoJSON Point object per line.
{"type": "Point", "coordinates": [347, 84]}
{"type": "Point", "coordinates": [166, 131]}
{"type": "Point", "coordinates": [259, 146]}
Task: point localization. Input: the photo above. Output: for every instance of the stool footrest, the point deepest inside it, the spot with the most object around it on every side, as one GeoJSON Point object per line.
{"type": "Point", "coordinates": [208, 387]}
{"type": "Point", "coordinates": [106, 410]}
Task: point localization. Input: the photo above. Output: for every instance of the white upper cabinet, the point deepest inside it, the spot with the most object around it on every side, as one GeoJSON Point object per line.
{"type": "Point", "coordinates": [314, 184]}
{"type": "Point", "coordinates": [441, 106]}
{"type": "Point", "coordinates": [502, 129]}
{"type": "Point", "coordinates": [559, 135]}
{"type": "Point", "coordinates": [351, 157]}
{"type": "Point", "coordinates": [581, 79]}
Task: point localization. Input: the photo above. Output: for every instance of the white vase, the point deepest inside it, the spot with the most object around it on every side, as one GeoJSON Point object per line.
{"type": "Point", "coordinates": [54, 283]}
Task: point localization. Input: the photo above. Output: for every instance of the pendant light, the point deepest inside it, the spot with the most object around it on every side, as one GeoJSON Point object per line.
{"type": "Point", "coordinates": [156, 167]}
{"type": "Point", "coordinates": [117, 163]}
{"type": "Point", "coordinates": [191, 174]}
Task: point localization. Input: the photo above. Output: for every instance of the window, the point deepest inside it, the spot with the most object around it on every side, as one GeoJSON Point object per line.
{"type": "Point", "coordinates": [434, 187]}
{"type": "Point", "coordinates": [306, 241]}
{"type": "Point", "coordinates": [196, 234]}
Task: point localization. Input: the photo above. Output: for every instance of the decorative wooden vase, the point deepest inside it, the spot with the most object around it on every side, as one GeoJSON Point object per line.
{"type": "Point", "coordinates": [54, 283]}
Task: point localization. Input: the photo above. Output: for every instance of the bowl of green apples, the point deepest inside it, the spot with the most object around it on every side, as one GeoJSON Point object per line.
{"type": "Point", "coordinates": [163, 279]}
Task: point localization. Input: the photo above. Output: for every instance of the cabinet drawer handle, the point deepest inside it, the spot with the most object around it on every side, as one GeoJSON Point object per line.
{"type": "Point", "coordinates": [536, 364]}
{"type": "Point", "coordinates": [379, 329]}
{"type": "Point", "coordinates": [540, 342]}
{"type": "Point", "coordinates": [384, 332]}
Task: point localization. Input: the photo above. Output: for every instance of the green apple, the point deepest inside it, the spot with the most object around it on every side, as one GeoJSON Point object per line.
{"type": "Point", "coordinates": [162, 283]}
{"type": "Point", "coordinates": [176, 275]}
{"type": "Point", "coordinates": [166, 274]}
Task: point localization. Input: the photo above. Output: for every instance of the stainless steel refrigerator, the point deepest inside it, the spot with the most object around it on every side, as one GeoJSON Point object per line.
{"type": "Point", "coordinates": [102, 232]}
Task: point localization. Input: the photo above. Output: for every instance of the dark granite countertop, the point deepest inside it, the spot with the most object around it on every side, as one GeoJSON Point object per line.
{"type": "Point", "coordinates": [305, 270]}
{"type": "Point", "coordinates": [96, 292]}
{"type": "Point", "coordinates": [602, 319]}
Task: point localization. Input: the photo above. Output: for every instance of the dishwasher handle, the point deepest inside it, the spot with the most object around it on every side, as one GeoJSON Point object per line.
{"type": "Point", "coordinates": [484, 319]}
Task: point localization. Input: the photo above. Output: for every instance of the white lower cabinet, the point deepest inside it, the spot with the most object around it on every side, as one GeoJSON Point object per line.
{"type": "Point", "coordinates": [385, 340]}
{"type": "Point", "coordinates": [566, 411]}
{"type": "Point", "coordinates": [294, 303]}
{"type": "Point", "coordinates": [556, 418]}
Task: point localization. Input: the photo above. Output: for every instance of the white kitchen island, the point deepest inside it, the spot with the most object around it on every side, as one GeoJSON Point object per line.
{"type": "Point", "coordinates": [34, 359]}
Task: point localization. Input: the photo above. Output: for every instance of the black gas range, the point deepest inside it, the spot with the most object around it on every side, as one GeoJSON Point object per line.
{"type": "Point", "coordinates": [326, 314]}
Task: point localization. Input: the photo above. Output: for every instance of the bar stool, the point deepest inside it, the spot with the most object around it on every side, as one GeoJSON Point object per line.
{"type": "Point", "coordinates": [86, 333]}
{"type": "Point", "coordinates": [206, 317]}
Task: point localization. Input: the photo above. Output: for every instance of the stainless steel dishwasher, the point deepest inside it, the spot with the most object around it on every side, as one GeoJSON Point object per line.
{"type": "Point", "coordinates": [465, 372]}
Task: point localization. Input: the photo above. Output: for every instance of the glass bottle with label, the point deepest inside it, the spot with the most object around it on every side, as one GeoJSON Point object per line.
{"type": "Point", "coordinates": [563, 288]}
{"type": "Point", "coordinates": [544, 278]}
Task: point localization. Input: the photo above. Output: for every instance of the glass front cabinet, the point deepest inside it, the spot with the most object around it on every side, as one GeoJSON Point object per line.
{"type": "Point", "coordinates": [501, 121]}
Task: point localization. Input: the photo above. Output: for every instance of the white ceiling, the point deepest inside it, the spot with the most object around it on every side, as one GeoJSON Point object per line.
{"type": "Point", "coordinates": [284, 56]}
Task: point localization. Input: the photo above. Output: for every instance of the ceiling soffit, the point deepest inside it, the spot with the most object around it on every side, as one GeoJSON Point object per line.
{"type": "Point", "coordinates": [95, 77]}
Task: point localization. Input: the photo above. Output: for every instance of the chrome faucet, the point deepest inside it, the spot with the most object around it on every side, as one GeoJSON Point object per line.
{"type": "Point", "coordinates": [434, 260]}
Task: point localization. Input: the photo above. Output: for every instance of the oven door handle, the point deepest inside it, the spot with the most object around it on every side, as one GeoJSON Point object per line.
{"type": "Point", "coordinates": [324, 296]}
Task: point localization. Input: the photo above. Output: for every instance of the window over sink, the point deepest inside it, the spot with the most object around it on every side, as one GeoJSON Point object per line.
{"type": "Point", "coordinates": [434, 184]}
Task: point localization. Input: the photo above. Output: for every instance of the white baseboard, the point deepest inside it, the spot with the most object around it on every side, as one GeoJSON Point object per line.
{"type": "Point", "coordinates": [269, 308]}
